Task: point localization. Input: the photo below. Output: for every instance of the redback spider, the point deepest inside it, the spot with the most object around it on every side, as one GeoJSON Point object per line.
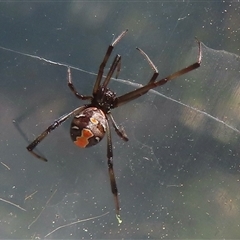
{"type": "Point", "coordinates": [91, 121]}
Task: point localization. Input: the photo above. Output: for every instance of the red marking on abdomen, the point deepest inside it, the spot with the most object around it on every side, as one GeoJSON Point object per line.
{"type": "Point", "coordinates": [83, 140]}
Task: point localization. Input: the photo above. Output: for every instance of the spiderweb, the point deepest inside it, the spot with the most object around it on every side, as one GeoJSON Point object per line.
{"type": "Point", "coordinates": [168, 132]}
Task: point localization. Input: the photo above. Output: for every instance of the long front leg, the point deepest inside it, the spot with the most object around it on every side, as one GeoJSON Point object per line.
{"type": "Point", "coordinates": [115, 65]}
{"type": "Point", "coordinates": [54, 125]}
{"type": "Point", "coordinates": [105, 59]}
{"type": "Point", "coordinates": [152, 84]}
{"type": "Point", "coordinates": [111, 172]}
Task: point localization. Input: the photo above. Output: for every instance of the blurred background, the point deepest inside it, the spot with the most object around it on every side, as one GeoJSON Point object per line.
{"type": "Point", "coordinates": [178, 176]}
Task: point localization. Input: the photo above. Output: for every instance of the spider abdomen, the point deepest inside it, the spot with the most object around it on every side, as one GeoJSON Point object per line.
{"type": "Point", "coordinates": [88, 127]}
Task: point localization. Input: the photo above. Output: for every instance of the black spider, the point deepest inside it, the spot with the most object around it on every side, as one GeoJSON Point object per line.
{"type": "Point", "coordinates": [91, 121]}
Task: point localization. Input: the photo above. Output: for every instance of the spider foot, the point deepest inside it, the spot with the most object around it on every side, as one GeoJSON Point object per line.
{"type": "Point", "coordinates": [123, 134]}
{"type": "Point", "coordinates": [119, 219]}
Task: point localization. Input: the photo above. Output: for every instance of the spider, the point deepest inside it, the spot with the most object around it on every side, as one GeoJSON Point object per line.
{"type": "Point", "coordinates": [91, 121]}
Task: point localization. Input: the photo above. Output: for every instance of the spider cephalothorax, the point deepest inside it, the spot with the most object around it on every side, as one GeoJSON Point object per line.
{"type": "Point", "coordinates": [105, 99]}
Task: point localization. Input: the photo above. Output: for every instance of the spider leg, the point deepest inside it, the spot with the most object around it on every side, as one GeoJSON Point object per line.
{"type": "Point", "coordinates": [111, 171]}
{"type": "Point", "coordinates": [119, 130]}
{"type": "Point", "coordinates": [155, 74]}
{"type": "Point", "coordinates": [105, 59]}
{"type": "Point", "coordinates": [73, 89]}
{"type": "Point", "coordinates": [118, 69]}
{"type": "Point", "coordinates": [114, 66]}
{"type": "Point", "coordinates": [151, 64]}
{"type": "Point", "coordinates": [54, 125]}
{"type": "Point", "coordinates": [152, 84]}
